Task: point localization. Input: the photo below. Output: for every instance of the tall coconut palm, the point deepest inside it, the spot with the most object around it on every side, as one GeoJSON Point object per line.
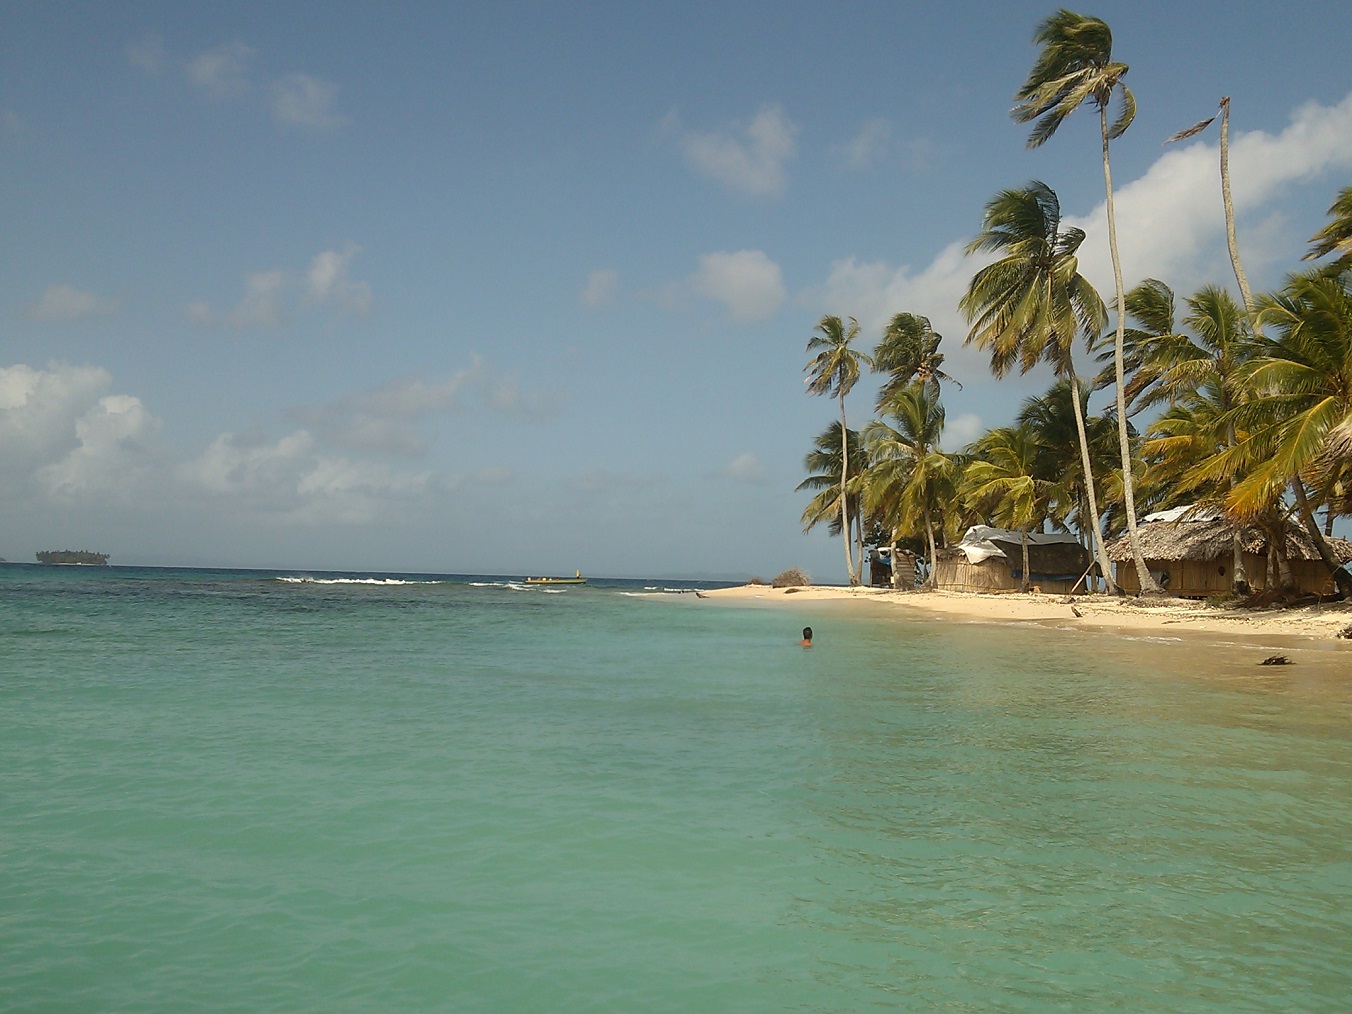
{"type": "Point", "coordinates": [1004, 479]}
{"type": "Point", "coordinates": [909, 478]}
{"type": "Point", "coordinates": [1031, 304]}
{"type": "Point", "coordinates": [1076, 64]}
{"type": "Point", "coordinates": [1336, 237]}
{"type": "Point", "coordinates": [909, 350]}
{"type": "Point", "coordinates": [1301, 399]}
{"type": "Point", "coordinates": [834, 370]}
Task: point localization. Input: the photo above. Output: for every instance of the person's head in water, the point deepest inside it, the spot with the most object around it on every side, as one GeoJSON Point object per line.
{"type": "Point", "coordinates": [806, 642]}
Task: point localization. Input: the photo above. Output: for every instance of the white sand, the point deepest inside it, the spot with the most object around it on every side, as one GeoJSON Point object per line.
{"type": "Point", "coordinates": [1168, 616]}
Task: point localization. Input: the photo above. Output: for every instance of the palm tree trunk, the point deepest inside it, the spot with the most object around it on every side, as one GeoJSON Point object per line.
{"type": "Point", "coordinates": [1100, 549]}
{"type": "Point", "coordinates": [1148, 584]}
{"type": "Point", "coordinates": [896, 570]}
{"type": "Point", "coordinates": [1341, 579]}
{"type": "Point", "coordinates": [1239, 583]}
{"type": "Point", "coordinates": [844, 479]}
{"type": "Point", "coordinates": [1023, 538]}
{"type": "Point", "coordinates": [929, 538]}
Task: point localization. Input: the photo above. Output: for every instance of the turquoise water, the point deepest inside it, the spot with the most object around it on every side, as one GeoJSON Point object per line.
{"type": "Point", "coordinates": [226, 791]}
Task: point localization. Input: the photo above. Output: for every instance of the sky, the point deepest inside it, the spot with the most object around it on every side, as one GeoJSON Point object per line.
{"type": "Point", "coordinates": [523, 287]}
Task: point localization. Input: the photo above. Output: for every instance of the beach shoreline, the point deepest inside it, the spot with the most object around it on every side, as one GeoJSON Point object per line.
{"type": "Point", "coordinates": [1306, 626]}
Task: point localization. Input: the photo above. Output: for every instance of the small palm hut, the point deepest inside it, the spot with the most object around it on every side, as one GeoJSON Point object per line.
{"type": "Point", "coordinates": [991, 560]}
{"type": "Point", "coordinates": [880, 568]}
{"type": "Point", "coordinates": [1191, 554]}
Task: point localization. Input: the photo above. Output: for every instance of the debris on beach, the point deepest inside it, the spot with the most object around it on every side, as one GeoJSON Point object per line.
{"type": "Point", "coordinates": [1275, 660]}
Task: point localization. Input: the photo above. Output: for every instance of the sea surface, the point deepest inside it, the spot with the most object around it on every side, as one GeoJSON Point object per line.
{"type": "Point", "coordinates": [268, 791]}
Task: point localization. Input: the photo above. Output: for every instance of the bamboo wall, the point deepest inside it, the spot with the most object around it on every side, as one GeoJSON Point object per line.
{"type": "Point", "coordinates": [1199, 579]}
{"type": "Point", "coordinates": [954, 573]}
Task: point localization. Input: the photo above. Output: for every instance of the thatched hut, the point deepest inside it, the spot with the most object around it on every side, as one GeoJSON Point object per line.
{"type": "Point", "coordinates": [1193, 557]}
{"type": "Point", "coordinates": [991, 560]}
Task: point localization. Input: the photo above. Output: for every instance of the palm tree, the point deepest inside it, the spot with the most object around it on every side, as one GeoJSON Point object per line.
{"type": "Point", "coordinates": [1076, 64]}
{"type": "Point", "coordinates": [1202, 373]}
{"type": "Point", "coordinates": [1337, 235]}
{"type": "Point", "coordinates": [909, 478]}
{"type": "Point", "coordinates": [835, 370]}
{"type": "Point", "coordinates": [823, 468]}
{"type": "Point", "coordinates": [909, 351]}
{"type": "Point", "coordinates": [1004, 479]}
{"type": "Point", "coordinates": [1028, 306]}
{"type": "Point", "coordinates": [1301, 401]}
{"type": "Point", "coordinates": [1052, 419]}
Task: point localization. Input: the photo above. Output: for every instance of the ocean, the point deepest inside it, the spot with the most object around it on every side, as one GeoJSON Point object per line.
{"type": "Point", "coordinates": [258, 791]}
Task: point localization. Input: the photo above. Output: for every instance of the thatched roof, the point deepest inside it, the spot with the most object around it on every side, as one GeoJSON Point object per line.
{"type": "Point", "coordinates": [1212, 540]}
{"type": "Point", "coordinates": [1051, 559]}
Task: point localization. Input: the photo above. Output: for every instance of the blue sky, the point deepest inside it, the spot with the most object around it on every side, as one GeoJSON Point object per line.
{"type": "Point", "coordinates": [526, 287]}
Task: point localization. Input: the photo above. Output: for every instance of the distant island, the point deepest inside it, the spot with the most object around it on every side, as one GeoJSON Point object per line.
{"type": "Point", "coordinates": [73, 556]}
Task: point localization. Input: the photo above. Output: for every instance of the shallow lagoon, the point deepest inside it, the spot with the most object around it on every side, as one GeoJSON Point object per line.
{"type": "Point", "coordinates": [226, 790]}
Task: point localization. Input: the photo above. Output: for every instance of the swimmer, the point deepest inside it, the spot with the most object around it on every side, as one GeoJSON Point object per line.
{"type": "Point", "coordinates": [806, 642]}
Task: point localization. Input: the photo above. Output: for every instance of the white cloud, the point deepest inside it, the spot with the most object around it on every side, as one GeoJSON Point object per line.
{"type": "Point", "coordinates": [871, 144]}
{"type": "Point", "coordinates": [745, 468]}
{"type": "Point", "coordinates": [748, 158]}
{"type": "Point", "coordinates": [61, 436]}
{"type": "Point", "coordinates": [603, 287]}
{"type": "Point", "coordinates": [259, 307]}
{"type": "Point", "coordinates": [329, 282]}
{"type": "Point", "coordinates": [112, 455]}
{"type": "Point", "coordinates": [386, 419]}
{"type": "Point", "coordinates": [747, 282]}
{"type": "Point", "coordinates": [300, 100]}
{"type": "Point", "coordinates": [961, 430]}
{"type": "Point", "coordinates": [1170, 221]}
{"type": "Point", "coordinates": [224, 71]}
{"type": "Point", "coordinates": [66, 304]}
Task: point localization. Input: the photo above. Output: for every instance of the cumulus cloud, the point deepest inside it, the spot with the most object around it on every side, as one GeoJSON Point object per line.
{"type": "Point", "coordinates": [602, 288]}
{"type": "Point", "coordinates": [745, 468]}
{"type": "Point", "coordinates": [259, 307]}
{"type": "Point", "coordinates": [299, 100]}
{"type": "Point", "coordinates": [747, 158]}
{"type": "Point", "coordinates": [747, 282]}
{"type": "Point", "coordinates": [1170, 221]}
{"type": "Point", "coordinates": [66, 304]}
{"type": "Point", "coordinates": [223, 72]}
{"type": "Point", "coordinates": [61, 434]}
{"type": "Point", "coordinates": [329, 282]}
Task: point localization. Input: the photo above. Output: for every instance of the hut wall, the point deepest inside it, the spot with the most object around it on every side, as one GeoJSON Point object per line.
{"type": "Point", "coordinates": [954, 573]}
{"type": "Point", "coordinates": [1204, 578]}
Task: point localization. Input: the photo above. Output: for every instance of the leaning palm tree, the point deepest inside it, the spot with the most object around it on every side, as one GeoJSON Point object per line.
{"type": "Point", "coordinates": [1004, 480]}
{"type": "Point", "coordinates": [910, 479]}
{"type": "Point", "coordinates": [835, 370]}
{"type": "Point", "coordinates": [909, 350]}
{"type": "Point", "coordinates": [1074, 65]}
{"type": "Point", "coordinates": [1337, 235]}
{"type": "Point", "coordinates": [1029, 306]}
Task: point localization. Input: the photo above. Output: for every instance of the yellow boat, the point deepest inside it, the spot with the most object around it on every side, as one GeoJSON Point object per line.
{"type": "Point", "coordinates": [576, 579]}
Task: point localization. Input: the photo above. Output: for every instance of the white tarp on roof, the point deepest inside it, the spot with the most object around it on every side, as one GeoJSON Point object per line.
{"type": "Point", "coordinates": [978, 542]}
{"type": "Point", "coordinates": [1175, 513]}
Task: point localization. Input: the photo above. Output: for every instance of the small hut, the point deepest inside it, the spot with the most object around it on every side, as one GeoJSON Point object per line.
{"type": "Point", "coordinates": [991, 560]}
{"type": "Point", "coordinates": [1191, 554]}
{"type": "Point", "coordinates": [880, 569]}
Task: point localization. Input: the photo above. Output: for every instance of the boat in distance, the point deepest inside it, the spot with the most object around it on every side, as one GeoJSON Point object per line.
{"type": "Point", "coordinates": [575, 579]}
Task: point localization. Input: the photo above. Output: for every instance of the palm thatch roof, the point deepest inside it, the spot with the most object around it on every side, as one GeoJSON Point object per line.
{"type": "Point", "coordinates": [1211, 539]}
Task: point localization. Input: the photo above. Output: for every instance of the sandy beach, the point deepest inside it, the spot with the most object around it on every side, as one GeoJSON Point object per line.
{"type": "Point", "coordinates": [1320, 623]}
